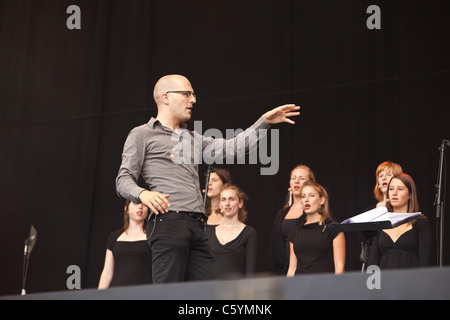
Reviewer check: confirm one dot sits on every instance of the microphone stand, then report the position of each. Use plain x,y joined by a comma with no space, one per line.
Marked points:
366,244
440,202
208,173
26,259
29,245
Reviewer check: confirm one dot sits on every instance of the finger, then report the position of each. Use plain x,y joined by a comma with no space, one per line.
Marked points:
290,107
289,121
294,108
152,208
164,198
292,114
159,205
163,202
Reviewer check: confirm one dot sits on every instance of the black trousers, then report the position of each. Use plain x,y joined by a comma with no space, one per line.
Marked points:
180,248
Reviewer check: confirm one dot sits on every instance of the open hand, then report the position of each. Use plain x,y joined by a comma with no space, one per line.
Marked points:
282,114
157,202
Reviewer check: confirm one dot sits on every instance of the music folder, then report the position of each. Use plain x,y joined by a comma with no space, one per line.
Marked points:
372,220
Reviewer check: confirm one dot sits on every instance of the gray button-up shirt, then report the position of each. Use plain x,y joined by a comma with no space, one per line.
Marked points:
168,161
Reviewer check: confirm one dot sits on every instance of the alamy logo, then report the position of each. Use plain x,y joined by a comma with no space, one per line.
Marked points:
74,280
237,147
374,20
74,20
374,281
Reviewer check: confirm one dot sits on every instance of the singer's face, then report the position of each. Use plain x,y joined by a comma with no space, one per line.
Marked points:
398,195
311,200
383,179
298,177
215,184
138,212
229,203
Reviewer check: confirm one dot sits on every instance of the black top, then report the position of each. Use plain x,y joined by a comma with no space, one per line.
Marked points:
132,261
279,243
287,225
237,258
411,250
313,248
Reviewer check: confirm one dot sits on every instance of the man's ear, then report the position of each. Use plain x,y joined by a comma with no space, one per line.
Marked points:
165,98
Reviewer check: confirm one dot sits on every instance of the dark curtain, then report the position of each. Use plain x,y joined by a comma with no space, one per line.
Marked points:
68,99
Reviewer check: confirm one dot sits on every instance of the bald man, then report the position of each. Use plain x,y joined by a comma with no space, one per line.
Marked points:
180,248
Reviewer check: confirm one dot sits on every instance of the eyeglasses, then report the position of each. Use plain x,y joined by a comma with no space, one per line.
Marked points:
186,93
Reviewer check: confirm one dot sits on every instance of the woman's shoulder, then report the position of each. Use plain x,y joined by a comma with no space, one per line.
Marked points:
249,230
113,236
421,222
282,212
210,229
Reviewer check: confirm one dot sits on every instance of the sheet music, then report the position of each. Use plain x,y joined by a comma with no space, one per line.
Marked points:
398,218
382,214
367,216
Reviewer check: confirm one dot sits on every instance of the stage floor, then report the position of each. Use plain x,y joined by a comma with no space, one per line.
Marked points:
429,283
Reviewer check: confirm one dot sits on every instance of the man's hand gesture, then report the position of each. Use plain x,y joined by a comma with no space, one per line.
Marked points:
282,114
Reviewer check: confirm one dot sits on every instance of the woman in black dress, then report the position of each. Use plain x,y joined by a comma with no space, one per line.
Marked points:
128,258
233,243
287,219
408,245
314,251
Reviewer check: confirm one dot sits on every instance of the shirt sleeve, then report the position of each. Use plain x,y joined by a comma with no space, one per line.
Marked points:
132,160
214,150
112,239
374,253
424,235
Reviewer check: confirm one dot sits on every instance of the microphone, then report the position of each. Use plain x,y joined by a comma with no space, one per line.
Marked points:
28,244
208,173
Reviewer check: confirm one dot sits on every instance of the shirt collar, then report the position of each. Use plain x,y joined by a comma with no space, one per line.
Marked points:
153,122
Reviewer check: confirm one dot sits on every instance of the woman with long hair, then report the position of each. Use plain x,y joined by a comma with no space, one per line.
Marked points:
408,245
217,179
128,259
311,250
287,219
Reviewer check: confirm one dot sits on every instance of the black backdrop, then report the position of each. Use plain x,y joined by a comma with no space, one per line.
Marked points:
68,99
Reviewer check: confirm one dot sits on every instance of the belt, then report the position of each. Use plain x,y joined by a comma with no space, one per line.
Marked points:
196,215
199,217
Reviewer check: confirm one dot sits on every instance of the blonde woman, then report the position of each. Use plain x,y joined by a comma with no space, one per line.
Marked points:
314,251
287,219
